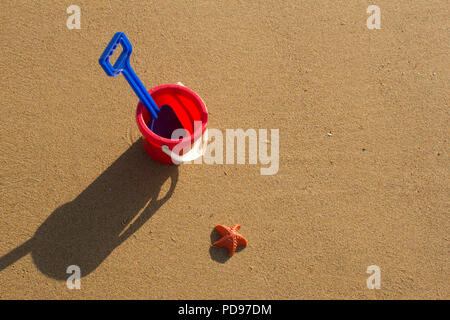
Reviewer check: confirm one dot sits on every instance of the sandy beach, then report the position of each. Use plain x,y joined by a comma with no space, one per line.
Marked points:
364,168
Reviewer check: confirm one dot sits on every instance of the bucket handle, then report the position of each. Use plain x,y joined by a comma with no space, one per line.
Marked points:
198,149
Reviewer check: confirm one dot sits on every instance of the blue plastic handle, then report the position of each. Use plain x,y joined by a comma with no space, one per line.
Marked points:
122,65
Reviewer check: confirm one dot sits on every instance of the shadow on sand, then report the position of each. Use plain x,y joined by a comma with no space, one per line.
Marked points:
86,230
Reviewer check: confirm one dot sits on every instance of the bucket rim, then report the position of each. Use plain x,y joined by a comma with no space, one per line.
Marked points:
145,130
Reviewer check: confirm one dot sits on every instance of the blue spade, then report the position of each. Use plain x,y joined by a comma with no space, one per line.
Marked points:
164,121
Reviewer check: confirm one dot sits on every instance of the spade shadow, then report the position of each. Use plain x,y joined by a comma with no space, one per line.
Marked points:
219,254
85,231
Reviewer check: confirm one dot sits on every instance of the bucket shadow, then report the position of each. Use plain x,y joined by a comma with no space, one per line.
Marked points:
85,231
219,254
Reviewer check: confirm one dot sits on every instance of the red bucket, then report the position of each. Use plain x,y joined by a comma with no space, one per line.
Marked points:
187,105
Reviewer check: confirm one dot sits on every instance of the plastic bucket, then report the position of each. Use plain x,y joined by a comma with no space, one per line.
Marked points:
187,105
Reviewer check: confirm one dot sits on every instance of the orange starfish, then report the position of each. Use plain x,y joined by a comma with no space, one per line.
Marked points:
230,238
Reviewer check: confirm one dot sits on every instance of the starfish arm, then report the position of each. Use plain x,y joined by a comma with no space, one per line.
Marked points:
223,230
232,249
222,242
235,227
242,241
